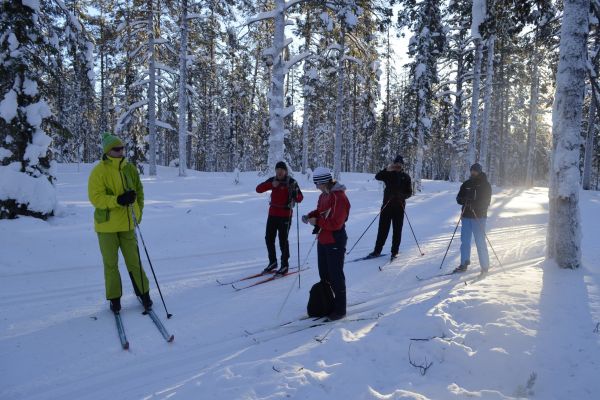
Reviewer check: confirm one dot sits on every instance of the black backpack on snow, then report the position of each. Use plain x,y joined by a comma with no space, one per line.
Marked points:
320,301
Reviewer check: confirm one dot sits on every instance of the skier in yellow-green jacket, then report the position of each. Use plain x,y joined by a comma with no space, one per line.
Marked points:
115,190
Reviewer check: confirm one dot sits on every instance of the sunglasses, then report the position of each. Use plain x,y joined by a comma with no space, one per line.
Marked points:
117,149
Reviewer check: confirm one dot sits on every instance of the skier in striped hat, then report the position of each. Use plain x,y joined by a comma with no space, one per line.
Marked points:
329,219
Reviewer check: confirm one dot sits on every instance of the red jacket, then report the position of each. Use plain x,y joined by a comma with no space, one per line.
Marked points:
282,196
332,213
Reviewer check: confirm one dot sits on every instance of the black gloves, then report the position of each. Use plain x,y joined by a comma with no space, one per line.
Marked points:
294,193
126,198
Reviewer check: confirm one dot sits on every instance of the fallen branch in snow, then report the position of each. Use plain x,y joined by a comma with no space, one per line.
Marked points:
527,390
422,368
428,338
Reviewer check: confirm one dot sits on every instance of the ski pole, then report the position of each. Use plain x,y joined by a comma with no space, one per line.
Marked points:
298,277
413,231
298,240
149,262
452,238
363,234
488,239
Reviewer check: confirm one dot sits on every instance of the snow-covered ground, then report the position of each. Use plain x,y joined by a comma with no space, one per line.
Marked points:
529,330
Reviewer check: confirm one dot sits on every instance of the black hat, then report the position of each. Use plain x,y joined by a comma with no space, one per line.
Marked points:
477,168
281,165
399,160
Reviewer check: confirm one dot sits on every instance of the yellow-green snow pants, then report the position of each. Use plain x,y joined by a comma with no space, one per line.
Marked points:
110,243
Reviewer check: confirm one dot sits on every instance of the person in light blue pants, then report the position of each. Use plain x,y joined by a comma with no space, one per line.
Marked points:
475,196
474,227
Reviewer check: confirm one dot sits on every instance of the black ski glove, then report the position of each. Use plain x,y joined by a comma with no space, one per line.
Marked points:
126,198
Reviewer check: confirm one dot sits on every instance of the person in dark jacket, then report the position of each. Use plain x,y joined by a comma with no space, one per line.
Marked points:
474,196
329,219
398,188
284,194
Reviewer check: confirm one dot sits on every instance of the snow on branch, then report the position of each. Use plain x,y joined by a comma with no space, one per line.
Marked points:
140,82
137,50
296,59
271,14
74,21
285,112
196,15
130,109
165,125
261,17
292,3
165,67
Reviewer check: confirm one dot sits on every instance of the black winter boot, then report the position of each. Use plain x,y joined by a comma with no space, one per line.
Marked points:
146,302
462,267
372,255
115,305
270,268
282,271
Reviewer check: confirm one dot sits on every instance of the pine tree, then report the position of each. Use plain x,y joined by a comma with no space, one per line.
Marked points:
426,47
25,159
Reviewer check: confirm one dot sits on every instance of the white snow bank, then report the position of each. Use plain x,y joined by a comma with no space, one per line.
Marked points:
38,193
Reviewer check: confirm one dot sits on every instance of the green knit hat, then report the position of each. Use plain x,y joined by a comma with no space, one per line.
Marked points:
109,141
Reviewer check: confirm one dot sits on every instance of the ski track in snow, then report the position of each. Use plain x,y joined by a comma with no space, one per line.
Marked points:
526,321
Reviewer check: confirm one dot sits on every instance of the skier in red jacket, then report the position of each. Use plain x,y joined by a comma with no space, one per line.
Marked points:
284,194
329,219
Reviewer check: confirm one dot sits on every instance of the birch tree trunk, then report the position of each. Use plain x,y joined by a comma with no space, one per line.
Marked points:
151,92
276,125
487,101
564,226
337,154
183,28
306,106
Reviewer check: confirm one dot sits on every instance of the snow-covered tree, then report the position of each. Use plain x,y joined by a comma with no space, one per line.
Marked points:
274,57
593,107
426,47
183,103
26,181
563,241
478,17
